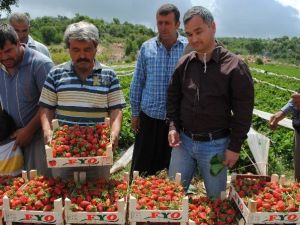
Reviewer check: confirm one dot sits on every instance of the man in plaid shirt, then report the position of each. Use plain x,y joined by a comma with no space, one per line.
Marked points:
155,65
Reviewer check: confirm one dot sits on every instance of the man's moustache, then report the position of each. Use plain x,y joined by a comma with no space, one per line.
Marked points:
83,60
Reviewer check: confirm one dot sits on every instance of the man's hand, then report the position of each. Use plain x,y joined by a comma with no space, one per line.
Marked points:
296,99
114,141
174,138
274,120
135,123
230,158
47,136
23,137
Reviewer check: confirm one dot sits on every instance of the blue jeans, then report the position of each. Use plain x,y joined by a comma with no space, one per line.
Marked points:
197,154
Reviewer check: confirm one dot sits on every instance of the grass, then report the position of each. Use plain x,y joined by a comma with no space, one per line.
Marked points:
289,70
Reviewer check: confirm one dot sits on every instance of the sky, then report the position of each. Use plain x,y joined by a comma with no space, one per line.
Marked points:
234,18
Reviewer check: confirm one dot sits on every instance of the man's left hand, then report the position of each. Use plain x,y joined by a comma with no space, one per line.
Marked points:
23,138
230,158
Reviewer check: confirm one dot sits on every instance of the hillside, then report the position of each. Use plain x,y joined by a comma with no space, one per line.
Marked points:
121,41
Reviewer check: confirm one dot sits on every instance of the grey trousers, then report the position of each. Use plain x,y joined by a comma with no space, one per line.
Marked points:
35,155
297,156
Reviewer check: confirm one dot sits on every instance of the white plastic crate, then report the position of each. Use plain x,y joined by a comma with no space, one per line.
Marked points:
31,216
144,215
118,217
249,213
58,162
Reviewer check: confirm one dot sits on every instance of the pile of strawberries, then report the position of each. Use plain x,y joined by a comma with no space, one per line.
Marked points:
157,193
9,185
270,196
205,211
98,196
39,194
80,141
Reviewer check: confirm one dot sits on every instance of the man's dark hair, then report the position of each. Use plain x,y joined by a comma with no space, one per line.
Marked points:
7,125
169,8
203,12
7,33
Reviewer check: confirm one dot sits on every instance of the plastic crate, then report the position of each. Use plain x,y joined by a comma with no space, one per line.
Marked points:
31,216
248,211
118,217
58,162
170,216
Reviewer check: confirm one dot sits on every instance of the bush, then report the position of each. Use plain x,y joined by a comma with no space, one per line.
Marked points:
259,61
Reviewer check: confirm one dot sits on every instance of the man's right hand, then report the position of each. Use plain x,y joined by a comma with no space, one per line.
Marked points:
174,138
47,136
135,123
274,120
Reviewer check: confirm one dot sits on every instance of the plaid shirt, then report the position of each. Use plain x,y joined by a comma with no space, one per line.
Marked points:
154,68
290,108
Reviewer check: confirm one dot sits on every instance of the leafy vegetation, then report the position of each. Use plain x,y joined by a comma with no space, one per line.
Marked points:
129,37
291,70
283,49
49,30
6,4
271,99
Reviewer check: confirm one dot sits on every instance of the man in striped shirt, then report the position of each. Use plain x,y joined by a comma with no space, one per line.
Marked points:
82,91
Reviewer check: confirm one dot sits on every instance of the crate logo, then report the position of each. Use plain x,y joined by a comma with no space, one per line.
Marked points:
283,218
52,163
39,218
237,200
106,217
89,161
165,215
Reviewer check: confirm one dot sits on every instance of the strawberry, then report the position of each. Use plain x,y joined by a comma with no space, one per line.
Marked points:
84,204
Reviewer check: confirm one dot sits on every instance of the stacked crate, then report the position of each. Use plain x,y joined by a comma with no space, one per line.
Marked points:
249,210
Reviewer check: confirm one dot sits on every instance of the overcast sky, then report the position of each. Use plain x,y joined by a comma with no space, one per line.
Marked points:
234,18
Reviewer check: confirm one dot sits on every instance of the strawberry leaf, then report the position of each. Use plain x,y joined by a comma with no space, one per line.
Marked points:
216,165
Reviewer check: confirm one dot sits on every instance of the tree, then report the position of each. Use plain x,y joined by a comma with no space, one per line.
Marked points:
50,35
255,46
6,4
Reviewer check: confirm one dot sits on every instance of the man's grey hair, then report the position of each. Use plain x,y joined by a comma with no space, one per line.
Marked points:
203,12
81,31
19,18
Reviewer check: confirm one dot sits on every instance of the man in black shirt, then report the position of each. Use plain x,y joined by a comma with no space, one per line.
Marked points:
209,104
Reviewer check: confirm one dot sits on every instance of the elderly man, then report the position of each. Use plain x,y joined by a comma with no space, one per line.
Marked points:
209,104
20,22
155,65
82,91
22,75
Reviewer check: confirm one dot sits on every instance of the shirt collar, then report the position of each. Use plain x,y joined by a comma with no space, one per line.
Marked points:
69,66
216,54
180,40
30,41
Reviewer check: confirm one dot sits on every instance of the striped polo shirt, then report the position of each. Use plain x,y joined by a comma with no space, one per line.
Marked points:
81,102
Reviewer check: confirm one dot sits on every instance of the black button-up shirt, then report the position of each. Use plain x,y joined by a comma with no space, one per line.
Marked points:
219,95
